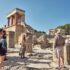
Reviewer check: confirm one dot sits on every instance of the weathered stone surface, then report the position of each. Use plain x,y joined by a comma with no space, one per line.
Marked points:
43,41
14,62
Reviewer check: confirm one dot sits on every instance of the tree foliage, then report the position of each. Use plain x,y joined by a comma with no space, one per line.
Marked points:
66,27
61,27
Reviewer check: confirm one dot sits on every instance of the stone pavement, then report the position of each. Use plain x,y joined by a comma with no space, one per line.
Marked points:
40,60
14,62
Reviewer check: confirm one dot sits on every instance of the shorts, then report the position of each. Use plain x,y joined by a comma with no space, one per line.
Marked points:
2,52
59,52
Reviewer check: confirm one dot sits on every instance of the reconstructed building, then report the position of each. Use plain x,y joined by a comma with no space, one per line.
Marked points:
15,27
52,32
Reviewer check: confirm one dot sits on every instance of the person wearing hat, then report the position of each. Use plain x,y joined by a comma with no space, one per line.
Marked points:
59,42
2,48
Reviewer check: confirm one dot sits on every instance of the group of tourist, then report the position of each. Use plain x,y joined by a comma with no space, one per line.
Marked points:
59,42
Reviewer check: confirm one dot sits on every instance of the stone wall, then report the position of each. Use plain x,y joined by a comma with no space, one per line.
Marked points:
67,55
10,39
19,30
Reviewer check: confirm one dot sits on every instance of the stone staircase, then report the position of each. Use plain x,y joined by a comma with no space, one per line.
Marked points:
40,60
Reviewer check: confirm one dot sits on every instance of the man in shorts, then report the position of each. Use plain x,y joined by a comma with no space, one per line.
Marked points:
59,46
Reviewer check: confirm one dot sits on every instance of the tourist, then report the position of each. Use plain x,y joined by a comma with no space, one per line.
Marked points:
29,43
59,46
4,37
2,49
23,47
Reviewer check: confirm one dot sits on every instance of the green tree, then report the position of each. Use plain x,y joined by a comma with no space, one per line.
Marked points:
61,27
66,27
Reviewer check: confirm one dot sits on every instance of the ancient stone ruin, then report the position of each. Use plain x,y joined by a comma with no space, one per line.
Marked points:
17,27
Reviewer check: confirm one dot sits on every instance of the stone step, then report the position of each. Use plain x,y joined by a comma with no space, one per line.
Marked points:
38,66
41,57
39,61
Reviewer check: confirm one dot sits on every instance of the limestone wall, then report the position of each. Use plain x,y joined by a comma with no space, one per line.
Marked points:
11,28
19,31
10,39
67,55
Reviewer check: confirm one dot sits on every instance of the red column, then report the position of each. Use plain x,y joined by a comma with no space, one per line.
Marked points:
8,22
11,20
16,18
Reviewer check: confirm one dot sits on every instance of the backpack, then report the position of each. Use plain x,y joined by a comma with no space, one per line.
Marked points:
60,41
3,44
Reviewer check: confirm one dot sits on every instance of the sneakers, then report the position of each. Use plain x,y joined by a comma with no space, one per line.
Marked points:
58,67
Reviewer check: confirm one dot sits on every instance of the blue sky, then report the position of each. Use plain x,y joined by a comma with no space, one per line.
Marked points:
40,14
